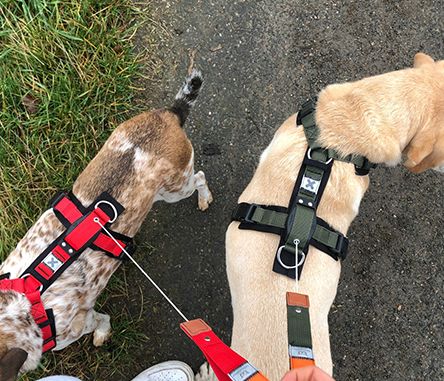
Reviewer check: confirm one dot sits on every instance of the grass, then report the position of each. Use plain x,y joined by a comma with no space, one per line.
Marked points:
67,71
66,75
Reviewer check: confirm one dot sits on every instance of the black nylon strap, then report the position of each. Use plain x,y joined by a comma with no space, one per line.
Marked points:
244,211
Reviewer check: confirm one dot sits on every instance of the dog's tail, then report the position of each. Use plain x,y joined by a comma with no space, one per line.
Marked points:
187,95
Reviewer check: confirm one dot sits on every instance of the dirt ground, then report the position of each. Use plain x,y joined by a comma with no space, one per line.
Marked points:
261,60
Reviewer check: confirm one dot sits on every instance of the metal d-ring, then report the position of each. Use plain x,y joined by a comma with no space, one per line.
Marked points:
112,207
309,156
278,256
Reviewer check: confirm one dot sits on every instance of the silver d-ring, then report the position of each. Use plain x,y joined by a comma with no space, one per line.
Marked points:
112,207
278,256
309,156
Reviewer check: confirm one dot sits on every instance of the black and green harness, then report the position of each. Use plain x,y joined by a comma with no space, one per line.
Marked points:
298,225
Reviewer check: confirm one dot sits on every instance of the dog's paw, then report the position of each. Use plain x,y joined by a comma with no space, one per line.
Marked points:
103,330
100,337
204,202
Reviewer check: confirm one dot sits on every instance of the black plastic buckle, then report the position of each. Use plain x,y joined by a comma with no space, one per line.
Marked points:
341,247
250,212
307,108
57,198
365,169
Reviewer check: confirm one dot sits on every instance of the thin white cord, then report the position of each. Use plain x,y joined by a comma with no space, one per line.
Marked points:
96,220
296,244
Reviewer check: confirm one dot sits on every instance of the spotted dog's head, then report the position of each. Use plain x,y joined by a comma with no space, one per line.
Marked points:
20,337
426,149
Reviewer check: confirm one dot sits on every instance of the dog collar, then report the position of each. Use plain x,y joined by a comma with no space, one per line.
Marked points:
82,232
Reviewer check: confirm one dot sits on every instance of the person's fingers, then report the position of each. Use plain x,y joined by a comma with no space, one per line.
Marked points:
308,373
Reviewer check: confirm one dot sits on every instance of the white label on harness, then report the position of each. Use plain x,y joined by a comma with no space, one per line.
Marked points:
310,184
244,372
52,262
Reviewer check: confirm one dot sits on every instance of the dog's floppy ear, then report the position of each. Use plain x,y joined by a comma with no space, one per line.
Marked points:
422,59
11,363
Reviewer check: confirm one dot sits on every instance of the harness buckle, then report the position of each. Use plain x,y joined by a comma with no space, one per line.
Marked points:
364,170
57,198
250,212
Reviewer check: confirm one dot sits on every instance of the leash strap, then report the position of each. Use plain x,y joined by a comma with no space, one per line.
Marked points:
226,364
300,347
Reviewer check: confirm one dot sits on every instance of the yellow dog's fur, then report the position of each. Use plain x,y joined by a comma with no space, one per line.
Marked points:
382,118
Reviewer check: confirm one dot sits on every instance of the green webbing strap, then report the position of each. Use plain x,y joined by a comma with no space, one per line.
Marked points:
299,330
268,217
298,326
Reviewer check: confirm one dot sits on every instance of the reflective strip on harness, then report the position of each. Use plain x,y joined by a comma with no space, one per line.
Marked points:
300,347
226,364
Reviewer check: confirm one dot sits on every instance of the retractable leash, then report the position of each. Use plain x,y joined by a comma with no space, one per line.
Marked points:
227,364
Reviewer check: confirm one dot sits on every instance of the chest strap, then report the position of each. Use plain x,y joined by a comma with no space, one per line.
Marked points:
82,232
226,364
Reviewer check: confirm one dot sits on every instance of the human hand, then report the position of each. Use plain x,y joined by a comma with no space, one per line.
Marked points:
308,373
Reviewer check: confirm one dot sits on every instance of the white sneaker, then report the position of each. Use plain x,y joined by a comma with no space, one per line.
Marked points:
167,371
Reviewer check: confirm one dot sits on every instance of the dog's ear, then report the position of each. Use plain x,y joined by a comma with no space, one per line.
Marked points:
11,363
422,59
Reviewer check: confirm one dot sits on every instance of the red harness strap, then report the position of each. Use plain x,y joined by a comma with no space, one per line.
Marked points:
29,286
68,210
227,364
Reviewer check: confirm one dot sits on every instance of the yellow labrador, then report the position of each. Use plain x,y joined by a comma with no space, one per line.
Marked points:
382,118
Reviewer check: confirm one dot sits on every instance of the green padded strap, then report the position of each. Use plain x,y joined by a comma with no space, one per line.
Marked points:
301,228
311,131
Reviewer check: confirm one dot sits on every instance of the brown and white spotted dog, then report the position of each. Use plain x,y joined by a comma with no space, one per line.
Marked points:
146,159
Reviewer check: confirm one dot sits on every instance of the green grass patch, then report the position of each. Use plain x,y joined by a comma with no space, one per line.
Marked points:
66,75
67,72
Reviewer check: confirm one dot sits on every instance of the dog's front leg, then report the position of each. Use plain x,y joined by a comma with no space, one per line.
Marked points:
91,321
205,198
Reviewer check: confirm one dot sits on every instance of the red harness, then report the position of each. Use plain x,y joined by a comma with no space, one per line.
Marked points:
82,232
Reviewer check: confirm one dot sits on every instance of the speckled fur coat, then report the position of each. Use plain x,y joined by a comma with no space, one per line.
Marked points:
146,159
